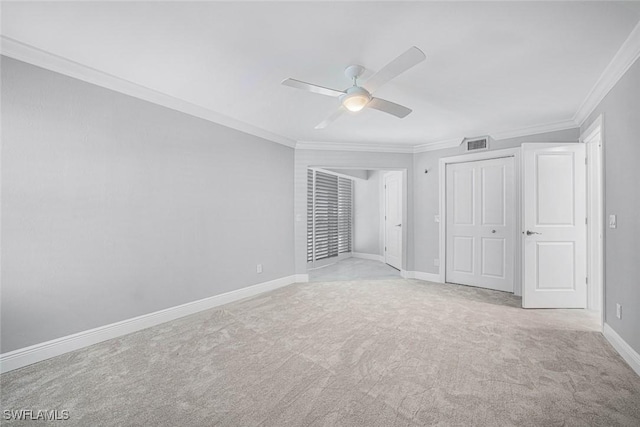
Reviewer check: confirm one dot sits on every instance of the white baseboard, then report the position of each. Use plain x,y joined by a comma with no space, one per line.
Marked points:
428,277
624,349
39,352
372,257
405,274
301,278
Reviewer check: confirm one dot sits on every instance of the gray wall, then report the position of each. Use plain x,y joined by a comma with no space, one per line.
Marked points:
356,173
426,192
113,207
367,209
353,160
621,112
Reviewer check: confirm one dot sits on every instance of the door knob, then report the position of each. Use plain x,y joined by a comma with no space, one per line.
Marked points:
529,233
493,231
398,225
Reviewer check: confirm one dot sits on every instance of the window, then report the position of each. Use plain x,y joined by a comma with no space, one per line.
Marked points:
329,206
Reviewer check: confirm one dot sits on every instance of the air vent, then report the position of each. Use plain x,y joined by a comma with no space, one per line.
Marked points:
474,144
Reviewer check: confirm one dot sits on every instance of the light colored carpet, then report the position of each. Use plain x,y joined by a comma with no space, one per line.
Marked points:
365,353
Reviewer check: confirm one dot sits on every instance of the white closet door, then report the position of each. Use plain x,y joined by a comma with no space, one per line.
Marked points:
480,223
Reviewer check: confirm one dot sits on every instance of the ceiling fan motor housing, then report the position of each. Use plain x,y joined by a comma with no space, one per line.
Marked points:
355,99
353,71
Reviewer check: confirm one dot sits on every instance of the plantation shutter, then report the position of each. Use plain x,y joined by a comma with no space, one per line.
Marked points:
309,215
329,208
326,215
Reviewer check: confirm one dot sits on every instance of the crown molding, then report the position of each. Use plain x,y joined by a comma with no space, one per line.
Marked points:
378,148
514,133
432,146
40,58
438,145
628,53
350,146
534,130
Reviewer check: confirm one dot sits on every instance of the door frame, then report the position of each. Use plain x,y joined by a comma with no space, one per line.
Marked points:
405,209
593,137
384,215
471,157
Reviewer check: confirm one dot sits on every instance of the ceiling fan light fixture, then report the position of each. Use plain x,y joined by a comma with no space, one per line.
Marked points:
355,99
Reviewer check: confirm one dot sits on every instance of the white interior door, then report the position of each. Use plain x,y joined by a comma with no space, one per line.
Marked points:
393,219
554,226
480,223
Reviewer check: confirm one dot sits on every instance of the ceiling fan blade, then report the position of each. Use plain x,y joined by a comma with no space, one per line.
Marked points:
335,115
394,68
312,88
389,107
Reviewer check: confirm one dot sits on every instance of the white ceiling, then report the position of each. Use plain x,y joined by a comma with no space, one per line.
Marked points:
491,66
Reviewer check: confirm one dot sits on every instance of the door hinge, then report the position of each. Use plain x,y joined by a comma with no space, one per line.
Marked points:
586,280
385,248
585,220
585,160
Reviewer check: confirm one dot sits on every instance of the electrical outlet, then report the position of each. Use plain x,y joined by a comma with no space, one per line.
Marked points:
613,221
619,311
436,262
259,268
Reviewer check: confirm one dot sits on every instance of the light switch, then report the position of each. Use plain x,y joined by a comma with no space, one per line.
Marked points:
612,221
437,218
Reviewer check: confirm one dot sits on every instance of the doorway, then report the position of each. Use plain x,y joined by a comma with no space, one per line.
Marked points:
367,258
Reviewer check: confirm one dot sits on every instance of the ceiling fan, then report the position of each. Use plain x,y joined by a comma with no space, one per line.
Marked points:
358,97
